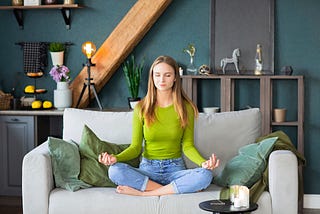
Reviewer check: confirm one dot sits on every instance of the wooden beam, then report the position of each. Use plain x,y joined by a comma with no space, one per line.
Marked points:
119,45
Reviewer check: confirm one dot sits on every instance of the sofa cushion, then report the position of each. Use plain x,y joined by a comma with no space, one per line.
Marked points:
98,200
224,133
247,167
65,160
93,172
109,126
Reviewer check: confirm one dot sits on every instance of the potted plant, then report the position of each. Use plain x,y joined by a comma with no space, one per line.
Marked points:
132,72
56,50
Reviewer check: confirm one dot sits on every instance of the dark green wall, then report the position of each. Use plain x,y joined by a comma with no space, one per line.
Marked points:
297,36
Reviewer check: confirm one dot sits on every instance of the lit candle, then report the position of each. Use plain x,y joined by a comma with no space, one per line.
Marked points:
244,196
237,202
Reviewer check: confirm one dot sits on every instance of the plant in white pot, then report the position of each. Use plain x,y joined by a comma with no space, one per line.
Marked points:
132,72
56,50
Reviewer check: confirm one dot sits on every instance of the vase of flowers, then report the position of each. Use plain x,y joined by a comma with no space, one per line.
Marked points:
62,96
191,68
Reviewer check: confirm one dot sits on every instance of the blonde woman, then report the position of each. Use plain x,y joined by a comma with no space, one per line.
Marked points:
164,120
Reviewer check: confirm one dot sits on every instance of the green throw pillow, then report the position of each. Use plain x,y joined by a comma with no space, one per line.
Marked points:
93,172
65,160
247,167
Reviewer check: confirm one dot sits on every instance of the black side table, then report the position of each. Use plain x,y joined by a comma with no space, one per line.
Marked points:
225,206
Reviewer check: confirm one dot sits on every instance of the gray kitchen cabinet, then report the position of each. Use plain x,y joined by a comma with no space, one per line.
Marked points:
17,137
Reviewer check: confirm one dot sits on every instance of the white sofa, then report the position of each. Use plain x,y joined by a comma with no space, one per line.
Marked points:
221,133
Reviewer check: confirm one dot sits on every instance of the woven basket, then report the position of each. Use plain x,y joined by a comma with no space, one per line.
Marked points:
5,100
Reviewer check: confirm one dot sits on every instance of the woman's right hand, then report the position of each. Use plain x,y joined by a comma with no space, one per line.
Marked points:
107,159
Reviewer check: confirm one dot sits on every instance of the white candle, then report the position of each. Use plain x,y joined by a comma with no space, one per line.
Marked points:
180,71
244,196
237,202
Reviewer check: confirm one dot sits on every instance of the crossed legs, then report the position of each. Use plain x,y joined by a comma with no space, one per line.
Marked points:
133,181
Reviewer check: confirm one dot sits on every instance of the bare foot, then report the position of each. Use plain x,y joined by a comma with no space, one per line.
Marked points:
128,191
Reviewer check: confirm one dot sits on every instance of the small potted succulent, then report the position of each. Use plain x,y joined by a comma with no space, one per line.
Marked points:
56,50
132,72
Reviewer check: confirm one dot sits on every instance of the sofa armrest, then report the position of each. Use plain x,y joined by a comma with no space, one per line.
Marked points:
37,180
283,182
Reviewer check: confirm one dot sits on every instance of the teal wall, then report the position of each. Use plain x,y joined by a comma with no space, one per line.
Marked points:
297,44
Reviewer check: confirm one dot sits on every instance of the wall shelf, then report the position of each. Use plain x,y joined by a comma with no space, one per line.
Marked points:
227,98
64,8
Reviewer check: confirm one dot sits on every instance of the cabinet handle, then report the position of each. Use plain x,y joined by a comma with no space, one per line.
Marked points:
14,119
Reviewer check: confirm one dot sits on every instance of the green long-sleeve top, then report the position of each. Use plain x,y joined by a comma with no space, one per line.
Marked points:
164,139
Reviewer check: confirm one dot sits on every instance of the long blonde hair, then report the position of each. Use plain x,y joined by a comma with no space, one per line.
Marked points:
148,103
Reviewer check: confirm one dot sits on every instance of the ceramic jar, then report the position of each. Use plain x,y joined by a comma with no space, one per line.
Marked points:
68,2
50,2
17,2
62,96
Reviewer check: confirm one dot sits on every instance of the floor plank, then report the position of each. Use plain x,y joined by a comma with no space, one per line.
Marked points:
13,205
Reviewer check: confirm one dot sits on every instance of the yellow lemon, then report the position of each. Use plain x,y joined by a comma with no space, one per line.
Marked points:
29,89
47,104
36,104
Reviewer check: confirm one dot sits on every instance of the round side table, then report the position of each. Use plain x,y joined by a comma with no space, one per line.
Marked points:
225,206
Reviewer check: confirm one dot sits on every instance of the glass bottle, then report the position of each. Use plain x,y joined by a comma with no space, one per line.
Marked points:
191,68
258,59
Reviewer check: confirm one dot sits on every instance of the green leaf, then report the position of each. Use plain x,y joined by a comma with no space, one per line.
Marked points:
132,72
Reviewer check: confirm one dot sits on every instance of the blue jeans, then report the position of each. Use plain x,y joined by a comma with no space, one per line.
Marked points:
170,171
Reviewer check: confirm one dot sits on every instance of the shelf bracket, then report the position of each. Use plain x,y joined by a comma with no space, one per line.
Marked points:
66,13
19,17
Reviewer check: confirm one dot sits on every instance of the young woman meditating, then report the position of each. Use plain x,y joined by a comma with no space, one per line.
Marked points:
164,122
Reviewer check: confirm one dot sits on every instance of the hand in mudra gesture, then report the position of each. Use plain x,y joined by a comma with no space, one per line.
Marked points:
107,159
211,163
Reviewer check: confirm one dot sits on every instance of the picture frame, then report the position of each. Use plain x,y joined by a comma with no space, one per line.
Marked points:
242,24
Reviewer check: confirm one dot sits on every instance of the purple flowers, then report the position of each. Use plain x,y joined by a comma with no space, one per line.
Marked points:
60,73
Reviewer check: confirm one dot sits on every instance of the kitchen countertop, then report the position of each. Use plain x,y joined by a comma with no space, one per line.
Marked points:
51,112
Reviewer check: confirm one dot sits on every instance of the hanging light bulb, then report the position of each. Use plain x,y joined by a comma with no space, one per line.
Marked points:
88,49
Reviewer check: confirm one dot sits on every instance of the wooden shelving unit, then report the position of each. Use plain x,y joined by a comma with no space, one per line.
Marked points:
64,8
227,86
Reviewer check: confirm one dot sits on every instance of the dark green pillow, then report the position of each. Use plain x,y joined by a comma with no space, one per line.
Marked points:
93,172
247,167
65,160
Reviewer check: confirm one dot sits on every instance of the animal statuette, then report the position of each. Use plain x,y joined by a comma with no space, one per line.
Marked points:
234,60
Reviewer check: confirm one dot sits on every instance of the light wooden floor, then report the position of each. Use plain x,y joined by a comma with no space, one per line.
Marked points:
13,205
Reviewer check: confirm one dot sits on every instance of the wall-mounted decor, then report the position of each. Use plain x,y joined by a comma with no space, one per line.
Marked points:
242,24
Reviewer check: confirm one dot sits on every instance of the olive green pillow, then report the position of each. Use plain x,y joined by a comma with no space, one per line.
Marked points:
247,167
65,160
93,172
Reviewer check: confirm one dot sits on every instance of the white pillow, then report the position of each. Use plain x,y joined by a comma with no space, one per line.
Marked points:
224,133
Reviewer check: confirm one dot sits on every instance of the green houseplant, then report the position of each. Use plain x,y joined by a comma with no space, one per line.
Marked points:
132,72
56,47
56,50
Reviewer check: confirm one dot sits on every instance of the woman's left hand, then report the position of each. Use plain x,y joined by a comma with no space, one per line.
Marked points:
212,163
